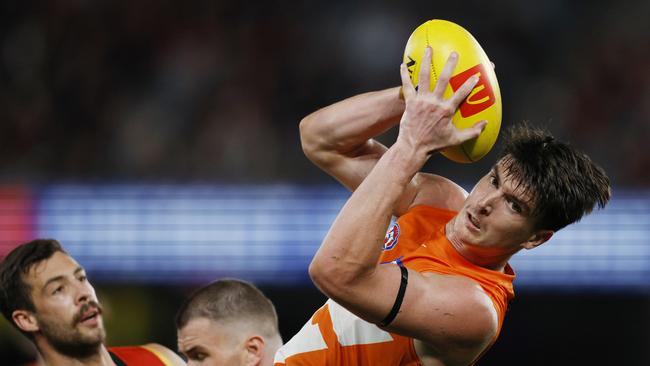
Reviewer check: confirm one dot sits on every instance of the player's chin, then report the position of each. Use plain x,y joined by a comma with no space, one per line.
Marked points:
95,336
96,333
473,237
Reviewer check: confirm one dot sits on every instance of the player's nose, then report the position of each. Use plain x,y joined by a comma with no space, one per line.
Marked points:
485,204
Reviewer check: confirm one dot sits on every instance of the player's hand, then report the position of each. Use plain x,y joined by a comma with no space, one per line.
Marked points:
426,124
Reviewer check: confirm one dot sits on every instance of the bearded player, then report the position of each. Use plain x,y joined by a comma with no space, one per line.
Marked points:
46,295
442,276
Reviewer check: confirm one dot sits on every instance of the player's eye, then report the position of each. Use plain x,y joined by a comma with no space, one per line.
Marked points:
494,181
197,356
57,290
515,206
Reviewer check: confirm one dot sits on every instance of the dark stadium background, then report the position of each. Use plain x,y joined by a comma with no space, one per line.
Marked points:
210,93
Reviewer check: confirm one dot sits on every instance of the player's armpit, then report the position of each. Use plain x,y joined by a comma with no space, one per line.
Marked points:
431,190
352,168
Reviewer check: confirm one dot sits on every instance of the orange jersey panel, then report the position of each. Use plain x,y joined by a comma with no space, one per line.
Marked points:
334,336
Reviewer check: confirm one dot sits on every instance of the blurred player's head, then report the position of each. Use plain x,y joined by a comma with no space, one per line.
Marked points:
46,295
538,186
228,322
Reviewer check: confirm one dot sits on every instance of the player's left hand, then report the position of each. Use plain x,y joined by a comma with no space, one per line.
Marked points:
426,124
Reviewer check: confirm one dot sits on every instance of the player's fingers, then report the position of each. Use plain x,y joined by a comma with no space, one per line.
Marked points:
445,75
407,85
463,91
424,78
471,132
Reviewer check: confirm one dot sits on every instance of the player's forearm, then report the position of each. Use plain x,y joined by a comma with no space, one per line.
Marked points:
352,247
348,124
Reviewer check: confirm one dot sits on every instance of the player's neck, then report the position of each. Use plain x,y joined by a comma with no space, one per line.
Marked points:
273,344
494,259
52,357
478,256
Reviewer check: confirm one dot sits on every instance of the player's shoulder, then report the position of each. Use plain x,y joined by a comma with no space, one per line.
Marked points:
438,191
164,353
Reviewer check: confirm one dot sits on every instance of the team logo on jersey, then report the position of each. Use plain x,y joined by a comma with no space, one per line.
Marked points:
391,237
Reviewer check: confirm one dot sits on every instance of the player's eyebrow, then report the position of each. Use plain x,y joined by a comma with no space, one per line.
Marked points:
510,195
190,352
59,278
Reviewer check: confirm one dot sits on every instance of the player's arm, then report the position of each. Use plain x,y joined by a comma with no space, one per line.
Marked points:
340,140
451,314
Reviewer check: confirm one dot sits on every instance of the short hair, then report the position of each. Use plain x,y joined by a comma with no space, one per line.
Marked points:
230,300
564,183
15,293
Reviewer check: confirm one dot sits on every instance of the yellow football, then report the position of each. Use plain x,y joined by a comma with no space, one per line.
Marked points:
483,102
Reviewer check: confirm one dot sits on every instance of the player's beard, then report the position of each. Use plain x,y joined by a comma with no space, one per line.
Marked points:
68,339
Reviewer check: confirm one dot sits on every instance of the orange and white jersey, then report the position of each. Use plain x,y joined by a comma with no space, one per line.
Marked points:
334,336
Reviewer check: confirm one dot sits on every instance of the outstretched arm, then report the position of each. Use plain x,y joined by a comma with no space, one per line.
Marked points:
340,140
345,267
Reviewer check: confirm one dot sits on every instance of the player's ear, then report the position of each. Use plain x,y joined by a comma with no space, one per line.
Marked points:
254,347
538,238
25,320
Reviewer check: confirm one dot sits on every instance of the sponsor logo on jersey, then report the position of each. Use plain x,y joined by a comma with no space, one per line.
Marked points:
391,237
481,97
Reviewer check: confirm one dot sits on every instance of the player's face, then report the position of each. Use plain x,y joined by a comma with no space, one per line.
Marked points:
68,313
496,213
206,343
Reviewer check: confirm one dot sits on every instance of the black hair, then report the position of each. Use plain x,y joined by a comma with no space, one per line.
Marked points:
15,293
563,182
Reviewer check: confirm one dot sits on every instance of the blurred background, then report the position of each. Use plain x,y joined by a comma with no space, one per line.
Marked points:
158,141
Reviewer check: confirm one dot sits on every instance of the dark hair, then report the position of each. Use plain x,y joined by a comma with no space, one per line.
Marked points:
564,183
15,293
230,300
